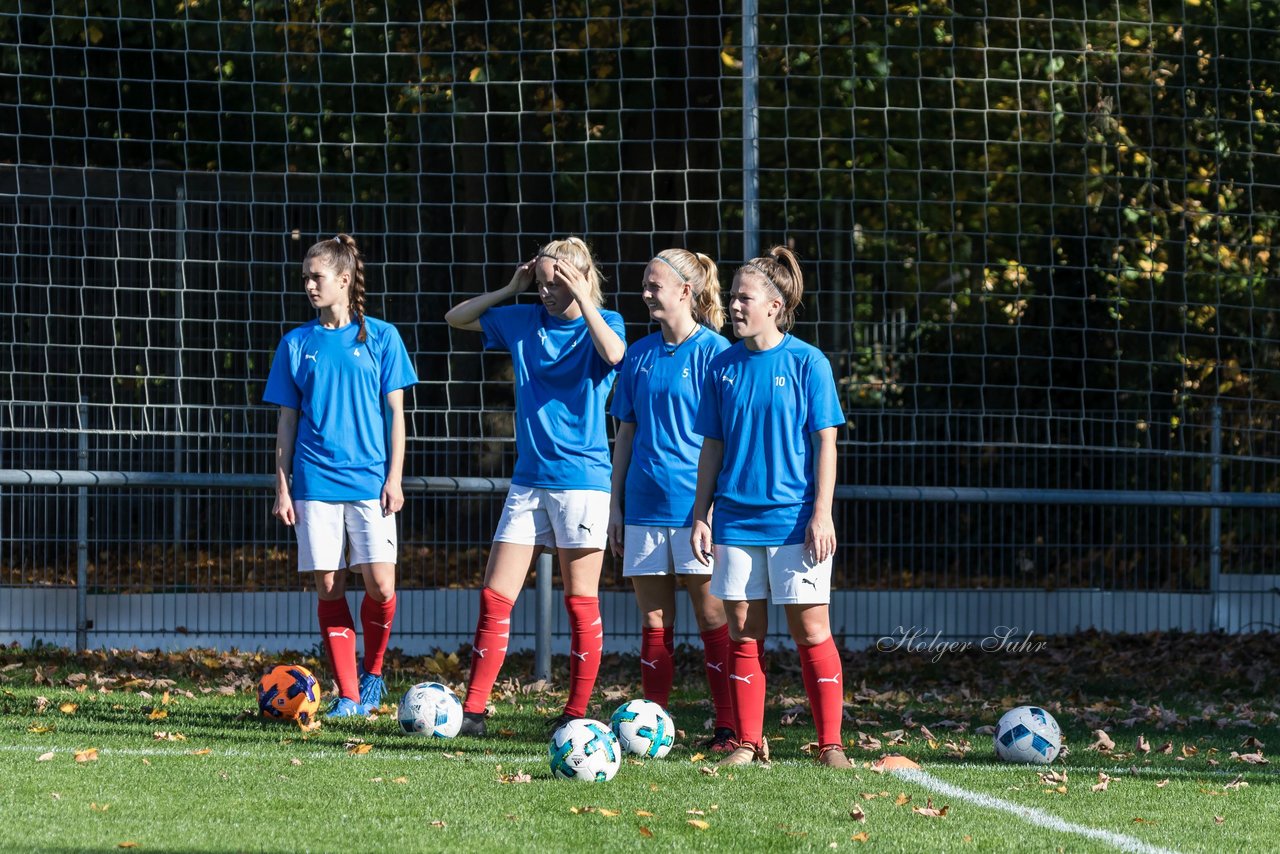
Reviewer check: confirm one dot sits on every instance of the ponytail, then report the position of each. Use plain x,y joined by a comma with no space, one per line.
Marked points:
703,277
343,255
780,269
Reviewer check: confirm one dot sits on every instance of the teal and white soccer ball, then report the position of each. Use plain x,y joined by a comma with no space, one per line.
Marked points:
643,728
1028,734
430,708
584,750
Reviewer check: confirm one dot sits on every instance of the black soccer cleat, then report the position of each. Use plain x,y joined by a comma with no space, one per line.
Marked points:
472,724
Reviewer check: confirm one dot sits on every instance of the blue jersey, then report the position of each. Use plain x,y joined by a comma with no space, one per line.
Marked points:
561,387
339,386
764,406
658,389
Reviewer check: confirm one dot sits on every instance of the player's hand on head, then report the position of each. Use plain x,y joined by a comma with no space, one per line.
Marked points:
571,277
523,276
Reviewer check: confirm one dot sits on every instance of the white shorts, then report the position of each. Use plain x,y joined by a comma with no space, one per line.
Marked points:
557,518
785,575
659,550
323,526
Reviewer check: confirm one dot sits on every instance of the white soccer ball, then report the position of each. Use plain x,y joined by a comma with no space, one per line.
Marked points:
430,708
643,728
584,750
1028,734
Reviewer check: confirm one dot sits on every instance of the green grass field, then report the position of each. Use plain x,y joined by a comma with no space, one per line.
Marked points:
196,773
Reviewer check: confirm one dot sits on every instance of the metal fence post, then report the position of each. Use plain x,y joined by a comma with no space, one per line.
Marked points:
1215,516
750,134
82,533
542,620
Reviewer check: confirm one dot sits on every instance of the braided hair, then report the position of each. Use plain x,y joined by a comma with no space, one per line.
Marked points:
343,255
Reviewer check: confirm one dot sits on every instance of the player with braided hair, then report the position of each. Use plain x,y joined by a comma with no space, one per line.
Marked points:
339,381
768,416
655,469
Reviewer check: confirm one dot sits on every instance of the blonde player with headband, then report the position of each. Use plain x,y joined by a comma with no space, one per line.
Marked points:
769,414
655,471
565,351
339,382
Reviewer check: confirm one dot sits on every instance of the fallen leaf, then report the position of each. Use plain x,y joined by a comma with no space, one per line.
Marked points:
127,845
45,757
708,771
924,731
518,777
1162,783
1101,785
146,761
359,749
903,798
694,812
644,813
438,823
697,757
204,751
1189,750
55,796
41,703
1050,777
295,761
1102,741
1165,748
860,836
698,823
929,812
609,813
157,715
1251,758
1251,742
1143,746
1237,783
68,708
39,729
1140,820
99,808
88,755
646,832
1217,819
857,814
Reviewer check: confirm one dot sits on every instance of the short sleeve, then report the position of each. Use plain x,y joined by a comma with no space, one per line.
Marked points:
824,402
623,407
396,367
499,326
281,389
707,422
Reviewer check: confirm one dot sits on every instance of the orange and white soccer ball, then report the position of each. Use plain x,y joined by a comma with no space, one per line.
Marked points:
289,692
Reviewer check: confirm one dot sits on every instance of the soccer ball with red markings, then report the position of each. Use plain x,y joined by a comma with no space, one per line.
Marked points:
586,751
1028,734
643,729
289,692
430,708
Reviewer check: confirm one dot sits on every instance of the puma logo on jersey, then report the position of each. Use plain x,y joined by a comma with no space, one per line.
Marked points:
809,582
645,370
727,379
542,336
718,667
746,678
833,679
385,625
311,356
340,633
586,528
582,656
481,652
653,664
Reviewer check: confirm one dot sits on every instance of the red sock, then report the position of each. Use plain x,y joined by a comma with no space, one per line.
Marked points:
746,686
656,671
824,683
376,619
339,633
715,645
586,642
489,648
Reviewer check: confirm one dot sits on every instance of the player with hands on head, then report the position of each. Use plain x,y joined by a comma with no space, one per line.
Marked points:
769,412
339,381
655,471
565,350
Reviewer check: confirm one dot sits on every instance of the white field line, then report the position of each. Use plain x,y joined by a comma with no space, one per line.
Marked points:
1031,815
1114,770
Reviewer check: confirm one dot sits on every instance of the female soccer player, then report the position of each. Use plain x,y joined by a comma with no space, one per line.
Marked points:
768,415
565,351
339,382
655,467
